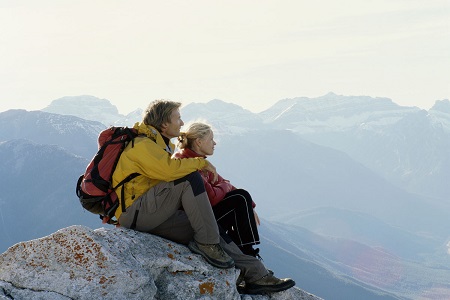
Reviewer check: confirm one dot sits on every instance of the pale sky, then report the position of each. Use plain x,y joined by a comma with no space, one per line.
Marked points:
252,53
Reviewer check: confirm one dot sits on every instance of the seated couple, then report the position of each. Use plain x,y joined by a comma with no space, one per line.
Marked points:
183,199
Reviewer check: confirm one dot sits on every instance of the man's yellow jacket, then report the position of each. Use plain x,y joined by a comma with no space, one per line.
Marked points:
149,156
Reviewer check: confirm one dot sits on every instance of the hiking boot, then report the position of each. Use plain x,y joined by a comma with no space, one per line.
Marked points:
213,254
269,284
240,283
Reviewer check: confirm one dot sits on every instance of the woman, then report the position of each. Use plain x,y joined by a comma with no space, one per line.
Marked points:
232,207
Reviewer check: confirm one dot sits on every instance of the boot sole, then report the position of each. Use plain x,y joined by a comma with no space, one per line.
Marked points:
265,289
193,247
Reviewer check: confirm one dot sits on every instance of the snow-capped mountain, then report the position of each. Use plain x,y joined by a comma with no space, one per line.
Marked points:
51,129
226,118
93,108
405,145
410,152
440,114
333,113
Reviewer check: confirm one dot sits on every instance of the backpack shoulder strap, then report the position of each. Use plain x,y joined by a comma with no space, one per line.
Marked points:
122,194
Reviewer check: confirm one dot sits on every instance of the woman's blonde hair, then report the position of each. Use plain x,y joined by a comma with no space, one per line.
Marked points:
194,131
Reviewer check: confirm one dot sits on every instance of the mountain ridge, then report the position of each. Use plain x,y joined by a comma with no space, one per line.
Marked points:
38,183
368,168
49,128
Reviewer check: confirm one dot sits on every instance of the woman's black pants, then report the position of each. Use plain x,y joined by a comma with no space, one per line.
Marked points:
235,215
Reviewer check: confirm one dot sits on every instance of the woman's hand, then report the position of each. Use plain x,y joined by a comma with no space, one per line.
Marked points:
256,218
210,168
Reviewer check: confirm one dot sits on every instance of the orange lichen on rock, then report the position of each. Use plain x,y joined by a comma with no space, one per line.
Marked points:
206,287
74,249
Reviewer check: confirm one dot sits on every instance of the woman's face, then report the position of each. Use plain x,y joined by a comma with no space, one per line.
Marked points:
205,145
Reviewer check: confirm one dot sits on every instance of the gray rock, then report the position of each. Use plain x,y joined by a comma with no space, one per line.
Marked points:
79,263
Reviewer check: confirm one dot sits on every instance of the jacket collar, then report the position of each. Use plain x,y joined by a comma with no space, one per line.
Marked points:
154,135
190,153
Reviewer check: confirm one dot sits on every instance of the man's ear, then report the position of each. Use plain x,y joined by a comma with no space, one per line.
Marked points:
163,126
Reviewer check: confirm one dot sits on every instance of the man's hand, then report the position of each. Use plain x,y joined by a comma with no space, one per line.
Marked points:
210,168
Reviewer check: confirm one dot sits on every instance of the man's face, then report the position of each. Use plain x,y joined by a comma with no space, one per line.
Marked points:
172,129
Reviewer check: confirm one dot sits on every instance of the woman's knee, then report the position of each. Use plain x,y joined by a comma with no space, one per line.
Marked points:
245,196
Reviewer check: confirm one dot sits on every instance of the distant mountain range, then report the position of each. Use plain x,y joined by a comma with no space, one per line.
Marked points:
352,190
405,145
76,135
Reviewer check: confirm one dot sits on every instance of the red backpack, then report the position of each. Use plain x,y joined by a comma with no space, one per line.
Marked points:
94,187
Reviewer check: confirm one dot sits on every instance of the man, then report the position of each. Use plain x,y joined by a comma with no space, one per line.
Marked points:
168,199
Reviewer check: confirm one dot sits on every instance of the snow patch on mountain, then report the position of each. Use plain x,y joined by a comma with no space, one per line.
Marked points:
51,128
226,118
92,108
440,114
333,112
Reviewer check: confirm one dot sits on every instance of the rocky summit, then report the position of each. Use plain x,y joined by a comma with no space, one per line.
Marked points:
115,263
